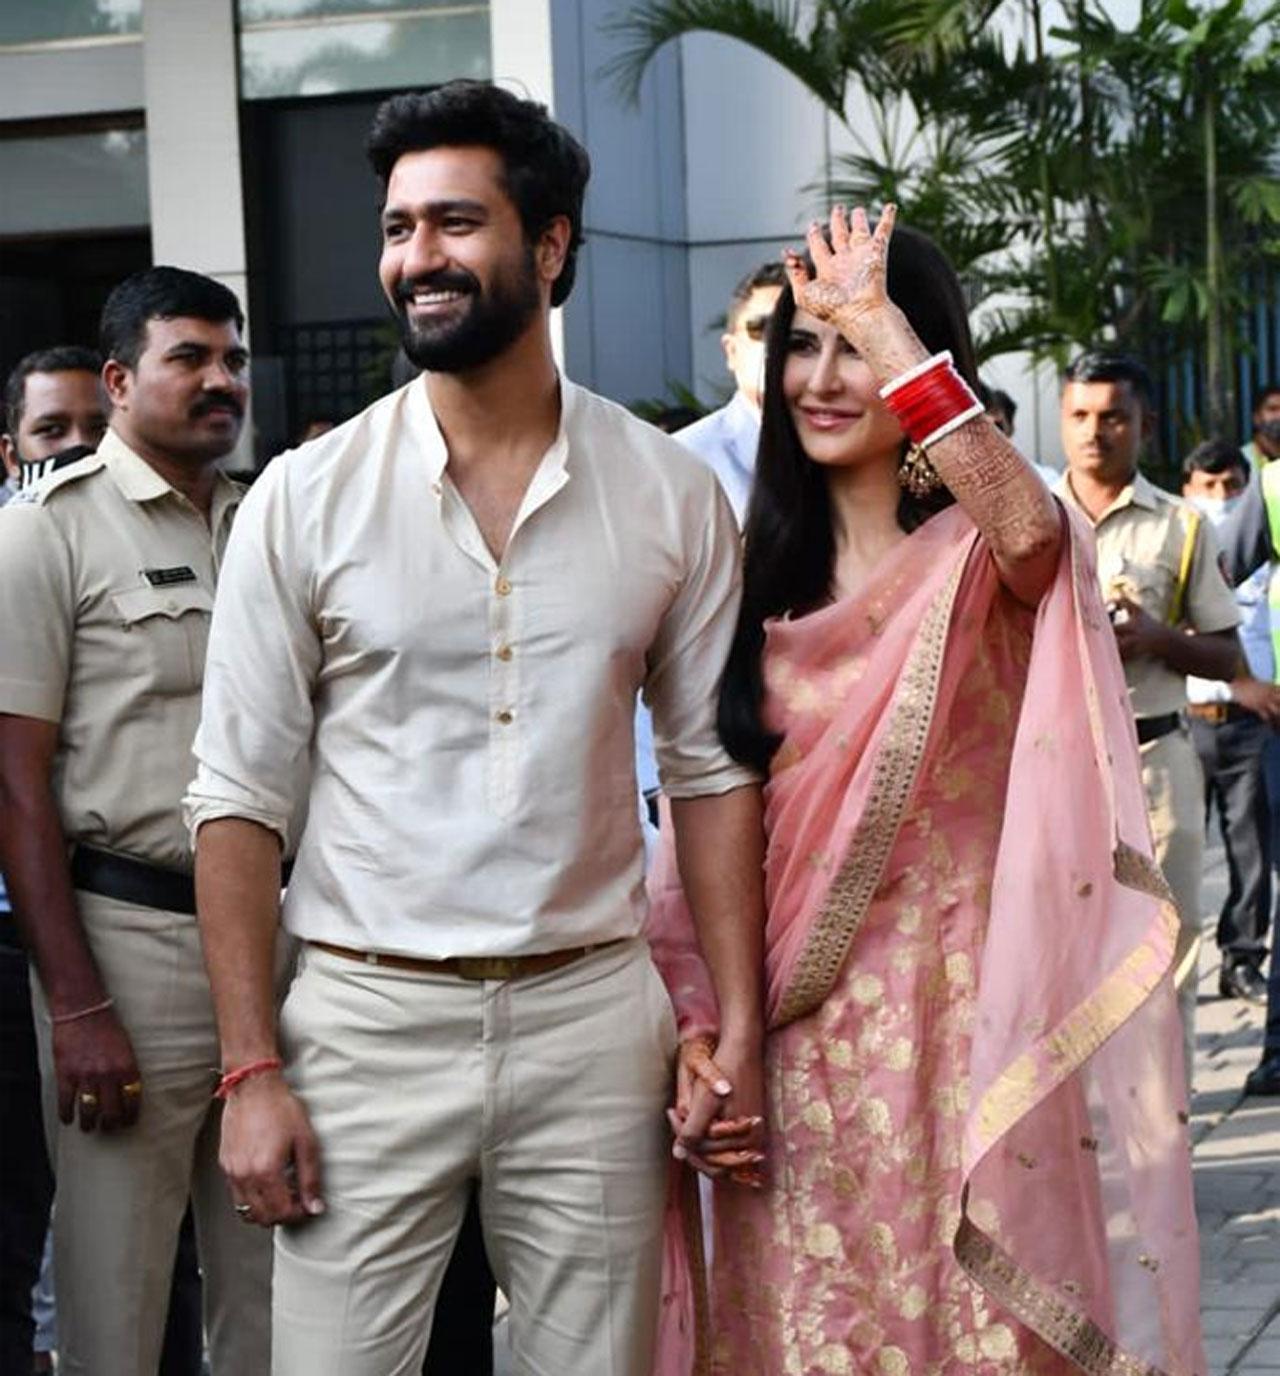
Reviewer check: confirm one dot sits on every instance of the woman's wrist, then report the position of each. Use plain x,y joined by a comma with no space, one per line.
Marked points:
883,337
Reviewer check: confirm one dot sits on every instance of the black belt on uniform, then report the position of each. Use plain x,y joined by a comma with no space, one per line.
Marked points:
1152,728
132,881
135,881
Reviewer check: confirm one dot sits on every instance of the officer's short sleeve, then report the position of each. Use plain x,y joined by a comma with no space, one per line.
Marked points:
1210,604
37,613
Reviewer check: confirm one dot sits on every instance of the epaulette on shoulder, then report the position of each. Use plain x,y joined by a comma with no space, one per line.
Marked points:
39,493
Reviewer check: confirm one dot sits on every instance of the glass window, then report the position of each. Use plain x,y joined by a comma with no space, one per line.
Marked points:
322,47
44,21
74,182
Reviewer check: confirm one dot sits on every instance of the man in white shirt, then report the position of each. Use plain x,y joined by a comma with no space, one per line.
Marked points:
432,626
726,440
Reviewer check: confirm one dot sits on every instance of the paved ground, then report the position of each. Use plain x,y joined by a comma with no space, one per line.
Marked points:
1237,1176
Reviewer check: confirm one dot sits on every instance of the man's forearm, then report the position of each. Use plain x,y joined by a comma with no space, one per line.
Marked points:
33,859
1215,655
720,851
238,897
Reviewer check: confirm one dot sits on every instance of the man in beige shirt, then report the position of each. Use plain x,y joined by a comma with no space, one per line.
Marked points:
430,630
1172,610
107,574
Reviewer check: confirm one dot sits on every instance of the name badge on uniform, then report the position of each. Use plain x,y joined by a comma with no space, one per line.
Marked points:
164,578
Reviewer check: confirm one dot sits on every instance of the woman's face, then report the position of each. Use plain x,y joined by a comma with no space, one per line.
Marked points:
834,398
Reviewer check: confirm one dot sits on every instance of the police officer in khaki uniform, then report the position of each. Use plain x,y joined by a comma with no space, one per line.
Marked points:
1172,610
107,574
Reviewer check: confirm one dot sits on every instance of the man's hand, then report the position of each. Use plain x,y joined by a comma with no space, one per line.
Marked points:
718,1117
1138,634
96,1071
269,1153
1258,697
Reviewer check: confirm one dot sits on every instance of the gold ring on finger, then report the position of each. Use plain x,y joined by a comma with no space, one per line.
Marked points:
88,1100
134,1087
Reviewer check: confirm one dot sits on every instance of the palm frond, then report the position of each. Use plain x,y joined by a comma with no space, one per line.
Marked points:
775,28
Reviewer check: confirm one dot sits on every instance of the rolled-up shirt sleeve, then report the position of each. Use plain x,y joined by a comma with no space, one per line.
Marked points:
252,748
687,658
37,613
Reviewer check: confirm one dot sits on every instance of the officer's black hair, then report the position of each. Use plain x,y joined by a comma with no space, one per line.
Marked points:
545,168
64,358
1102,365
160,293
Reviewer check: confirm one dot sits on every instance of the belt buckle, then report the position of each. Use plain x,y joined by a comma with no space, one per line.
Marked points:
486,967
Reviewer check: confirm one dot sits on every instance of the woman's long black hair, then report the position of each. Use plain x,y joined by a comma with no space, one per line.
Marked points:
790,538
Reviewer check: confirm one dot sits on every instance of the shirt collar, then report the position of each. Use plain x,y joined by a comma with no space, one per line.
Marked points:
1139,493
744,429
139,482
436,452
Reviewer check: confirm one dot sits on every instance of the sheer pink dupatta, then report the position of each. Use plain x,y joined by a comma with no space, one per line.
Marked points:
1077,1210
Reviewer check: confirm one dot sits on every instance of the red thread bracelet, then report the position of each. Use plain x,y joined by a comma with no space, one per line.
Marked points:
930,398
232,1078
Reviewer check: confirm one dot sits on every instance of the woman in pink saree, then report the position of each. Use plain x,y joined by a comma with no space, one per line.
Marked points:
978,1156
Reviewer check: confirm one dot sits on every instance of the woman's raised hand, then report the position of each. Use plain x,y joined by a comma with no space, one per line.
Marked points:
849,276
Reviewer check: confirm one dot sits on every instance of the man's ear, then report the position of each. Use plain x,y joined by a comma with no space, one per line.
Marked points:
115,382
729,344
553,249
9,455
1148,424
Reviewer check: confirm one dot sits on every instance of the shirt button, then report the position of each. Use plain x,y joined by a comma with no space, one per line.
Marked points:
502,587
504,717
437,488
504,653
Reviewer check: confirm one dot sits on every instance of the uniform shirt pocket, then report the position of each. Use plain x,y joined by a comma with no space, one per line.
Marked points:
173,626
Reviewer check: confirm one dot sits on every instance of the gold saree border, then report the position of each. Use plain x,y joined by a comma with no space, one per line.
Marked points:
1050,1317
893,780
690,1203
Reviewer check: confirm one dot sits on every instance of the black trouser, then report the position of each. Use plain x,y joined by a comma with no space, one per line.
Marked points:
26,1182
1231,757
462,1330
183,1351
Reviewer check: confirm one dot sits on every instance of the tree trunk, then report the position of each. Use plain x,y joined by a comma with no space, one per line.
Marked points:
1216,383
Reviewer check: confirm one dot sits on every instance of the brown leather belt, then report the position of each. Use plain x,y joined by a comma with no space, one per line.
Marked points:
1217,713
472,967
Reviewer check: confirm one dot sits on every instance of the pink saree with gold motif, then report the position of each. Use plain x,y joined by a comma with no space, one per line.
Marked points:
978,1155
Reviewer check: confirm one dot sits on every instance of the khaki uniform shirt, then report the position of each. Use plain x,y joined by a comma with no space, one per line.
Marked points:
1141,537
106,591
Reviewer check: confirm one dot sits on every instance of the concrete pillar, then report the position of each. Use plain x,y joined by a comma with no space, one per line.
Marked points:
520,45
193,146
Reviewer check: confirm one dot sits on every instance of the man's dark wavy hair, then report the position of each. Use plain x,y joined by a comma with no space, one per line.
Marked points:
789,556
62,358
545,168
160,293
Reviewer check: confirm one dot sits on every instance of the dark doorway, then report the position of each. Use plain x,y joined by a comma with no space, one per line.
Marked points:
52,287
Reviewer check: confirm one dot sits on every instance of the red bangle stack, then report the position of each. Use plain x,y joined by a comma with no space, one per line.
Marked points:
232,1078
931,400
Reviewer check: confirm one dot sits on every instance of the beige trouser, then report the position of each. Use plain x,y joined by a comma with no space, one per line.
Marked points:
1174,785
549,1090
121,1196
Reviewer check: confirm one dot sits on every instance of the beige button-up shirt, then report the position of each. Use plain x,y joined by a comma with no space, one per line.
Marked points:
1141,537
460,727
106,592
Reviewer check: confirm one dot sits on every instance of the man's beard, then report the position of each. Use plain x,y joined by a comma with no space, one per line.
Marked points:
477,333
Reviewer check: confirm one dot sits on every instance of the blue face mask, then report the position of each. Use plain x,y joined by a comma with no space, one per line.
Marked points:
1215,510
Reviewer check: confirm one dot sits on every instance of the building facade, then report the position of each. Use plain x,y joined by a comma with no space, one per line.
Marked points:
227,136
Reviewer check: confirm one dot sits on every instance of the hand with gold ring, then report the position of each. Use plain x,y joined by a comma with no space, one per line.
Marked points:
94,1063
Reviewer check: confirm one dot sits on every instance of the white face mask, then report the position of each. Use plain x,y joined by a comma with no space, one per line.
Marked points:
1215,510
